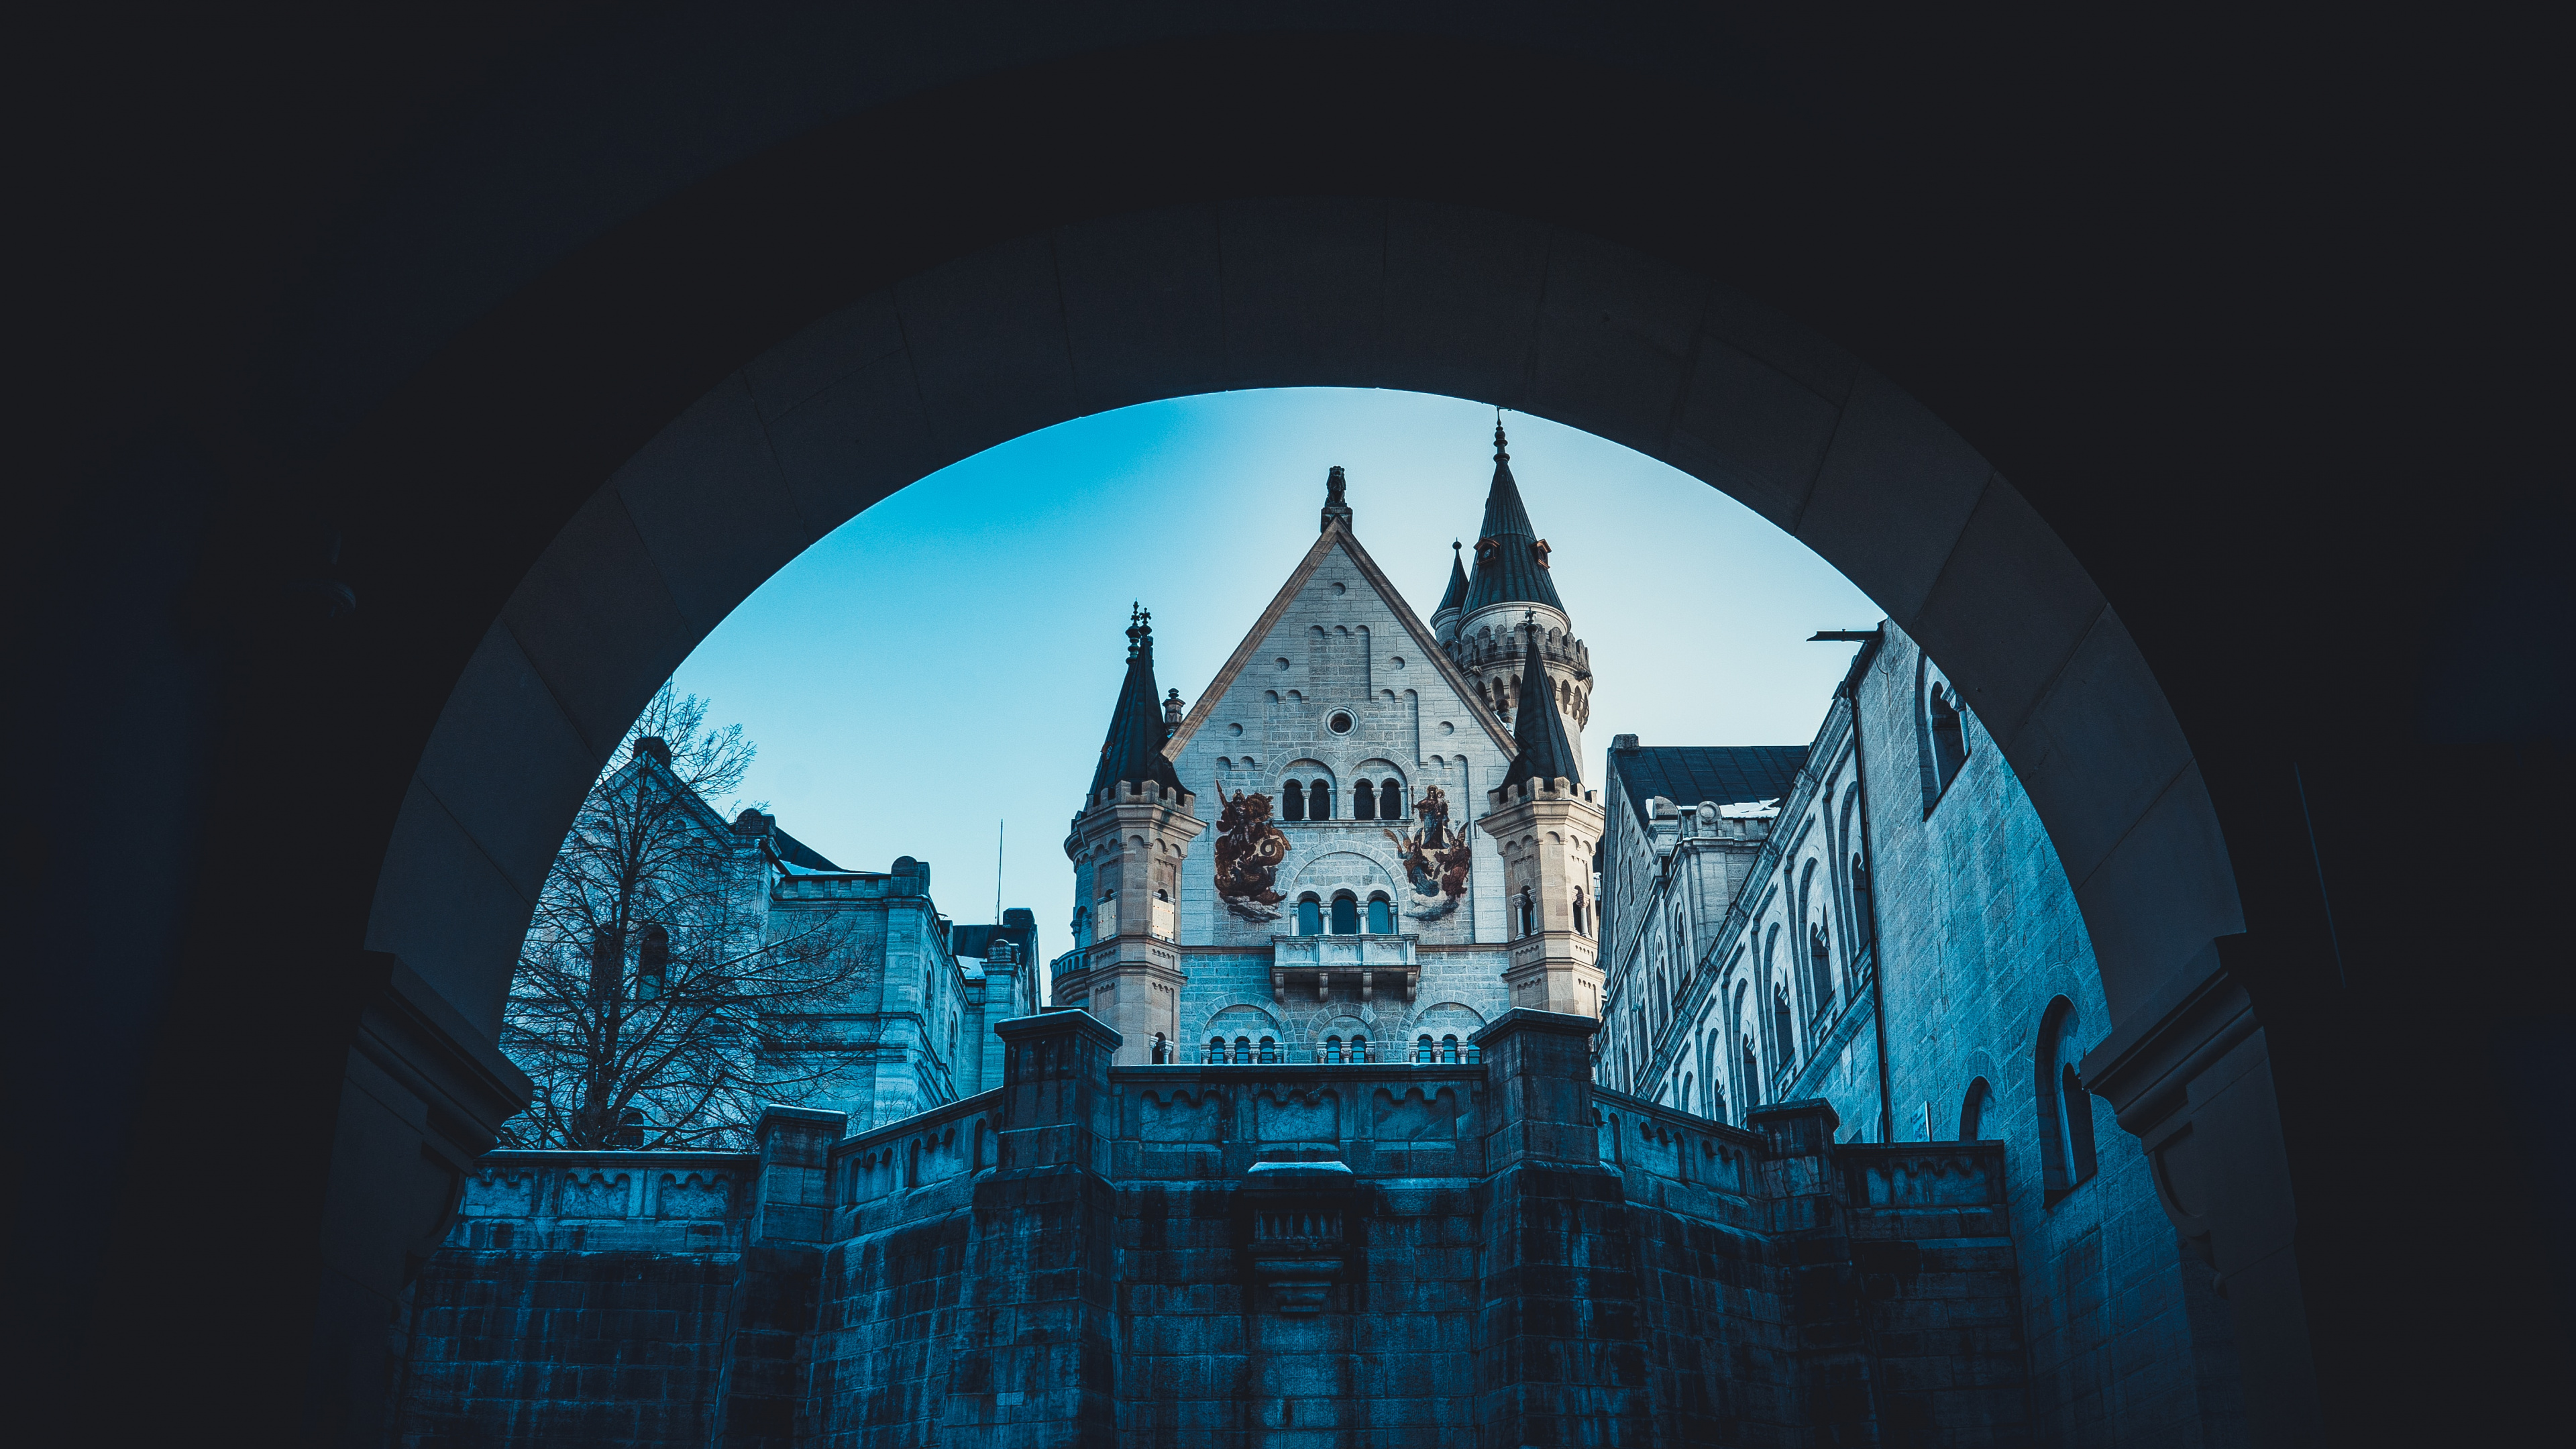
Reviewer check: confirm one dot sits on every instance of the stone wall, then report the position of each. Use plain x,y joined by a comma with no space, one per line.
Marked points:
1380,1256
582,1297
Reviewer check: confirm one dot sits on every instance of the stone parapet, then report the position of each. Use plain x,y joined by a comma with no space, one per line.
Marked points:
1056,1110
654,1202
1540,1108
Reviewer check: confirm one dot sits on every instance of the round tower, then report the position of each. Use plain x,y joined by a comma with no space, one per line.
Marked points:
1126,845
1512,585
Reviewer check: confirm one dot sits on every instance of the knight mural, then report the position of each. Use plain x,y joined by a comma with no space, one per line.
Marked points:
1436,859
1249,850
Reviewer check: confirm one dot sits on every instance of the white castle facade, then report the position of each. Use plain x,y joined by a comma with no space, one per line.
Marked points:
1319,861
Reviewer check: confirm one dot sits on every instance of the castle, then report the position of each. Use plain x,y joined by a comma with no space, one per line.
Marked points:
1402,1087
1363,893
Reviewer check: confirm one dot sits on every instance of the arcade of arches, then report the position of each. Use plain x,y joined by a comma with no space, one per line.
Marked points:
384,510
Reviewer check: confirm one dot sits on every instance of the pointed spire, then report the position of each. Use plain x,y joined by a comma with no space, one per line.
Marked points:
1545,753
1337,509
1511,562
1456,598
1133,751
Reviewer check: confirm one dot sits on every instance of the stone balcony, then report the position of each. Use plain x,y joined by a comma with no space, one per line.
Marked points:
1317,964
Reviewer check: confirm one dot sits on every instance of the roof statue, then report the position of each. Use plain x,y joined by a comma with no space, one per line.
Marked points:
1133,751
1337,509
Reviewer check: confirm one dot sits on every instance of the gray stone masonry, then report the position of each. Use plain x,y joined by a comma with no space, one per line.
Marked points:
1382,1255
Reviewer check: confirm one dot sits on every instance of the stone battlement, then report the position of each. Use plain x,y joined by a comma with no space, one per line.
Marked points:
1389,1251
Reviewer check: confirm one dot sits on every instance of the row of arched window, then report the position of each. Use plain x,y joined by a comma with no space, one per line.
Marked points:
1380,800
1244,1051
1344,914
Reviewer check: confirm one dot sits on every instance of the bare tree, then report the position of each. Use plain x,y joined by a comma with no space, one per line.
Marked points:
656,1002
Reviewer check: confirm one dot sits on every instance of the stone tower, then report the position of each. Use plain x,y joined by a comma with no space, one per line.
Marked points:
1512,585
1127,845
1548,826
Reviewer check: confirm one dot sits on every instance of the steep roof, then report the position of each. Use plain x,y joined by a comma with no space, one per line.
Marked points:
1509,571
1545,753
1334,536
797,852
1456,597
1133,751
1689,774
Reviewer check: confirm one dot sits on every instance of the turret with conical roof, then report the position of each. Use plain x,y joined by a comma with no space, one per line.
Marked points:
1133,752
1453,602
1513,585
1548,827
1127,845
1545,753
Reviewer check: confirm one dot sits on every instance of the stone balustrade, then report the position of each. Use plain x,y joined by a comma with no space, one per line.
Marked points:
604,1201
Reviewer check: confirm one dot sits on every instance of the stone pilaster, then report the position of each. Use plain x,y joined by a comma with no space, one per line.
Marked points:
1547,830
1035,1356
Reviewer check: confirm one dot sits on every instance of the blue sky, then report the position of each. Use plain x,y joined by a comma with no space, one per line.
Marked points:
948,658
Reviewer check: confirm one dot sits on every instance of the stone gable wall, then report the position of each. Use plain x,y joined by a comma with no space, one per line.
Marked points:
1341,641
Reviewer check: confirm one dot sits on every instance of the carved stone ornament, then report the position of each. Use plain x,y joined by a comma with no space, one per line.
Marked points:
1435,858
1249,849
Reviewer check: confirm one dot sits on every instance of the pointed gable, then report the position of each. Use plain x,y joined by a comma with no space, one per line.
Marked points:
1334,536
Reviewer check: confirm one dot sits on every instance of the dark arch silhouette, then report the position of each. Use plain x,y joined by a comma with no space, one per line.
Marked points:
452,379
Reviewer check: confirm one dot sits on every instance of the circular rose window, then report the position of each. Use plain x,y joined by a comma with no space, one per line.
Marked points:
1340,723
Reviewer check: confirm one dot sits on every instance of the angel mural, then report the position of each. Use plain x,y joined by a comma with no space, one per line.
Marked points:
1435,857
1248,852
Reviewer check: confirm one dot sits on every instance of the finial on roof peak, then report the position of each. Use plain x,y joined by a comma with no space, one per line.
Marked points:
1502,453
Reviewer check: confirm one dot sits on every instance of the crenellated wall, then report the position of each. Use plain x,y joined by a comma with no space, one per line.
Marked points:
1379,1254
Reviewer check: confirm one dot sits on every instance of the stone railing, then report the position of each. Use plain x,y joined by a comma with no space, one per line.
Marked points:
1935,1175
954,1139
643,1201
1316,964
1383,1119
1647,1137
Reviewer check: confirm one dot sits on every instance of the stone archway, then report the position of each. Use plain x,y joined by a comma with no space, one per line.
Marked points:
548,286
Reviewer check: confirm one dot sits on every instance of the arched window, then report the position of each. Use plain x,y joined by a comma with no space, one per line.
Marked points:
1863,923
1820,962
1215,1050
1346,914
1381,914
1449,1050
1292,801
1269,1050
1782,1027
1363,801
652,963
1422,1052
630,1129
1319,800
1949,737
1526,908
2065,1108
1690,1093
1716,1100
1972,1111
1310,915
1390,801
1359,1049
1582,917
1752,1076
1332,1051
1243,1050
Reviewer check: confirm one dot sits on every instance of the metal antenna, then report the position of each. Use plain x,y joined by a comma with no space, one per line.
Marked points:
1000,833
